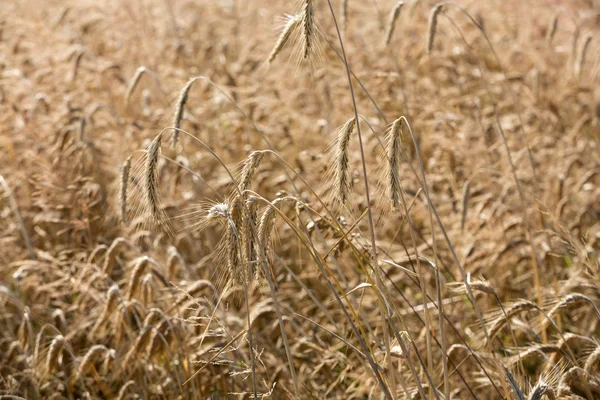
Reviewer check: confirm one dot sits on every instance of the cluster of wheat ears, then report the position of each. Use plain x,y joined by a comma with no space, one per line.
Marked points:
220,238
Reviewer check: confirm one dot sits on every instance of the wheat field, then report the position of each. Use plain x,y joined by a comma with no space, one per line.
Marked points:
310,199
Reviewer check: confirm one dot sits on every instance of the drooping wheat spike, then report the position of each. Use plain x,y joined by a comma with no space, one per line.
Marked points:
480,285
25,330
308,29
568,300
112,300
394,14
250,219
136,276
432,26
151,179
173,259
250,166
59,320
218,211
123,391
233,241
516,308
394,151
55,349
292,22
516,389
592,361
90,357
76,65
147,289
141,341
341,172
465,204
179,110
581,56
265,232
134,82
540,390
573,49
345,15
111,355
123,189
111,254
552,27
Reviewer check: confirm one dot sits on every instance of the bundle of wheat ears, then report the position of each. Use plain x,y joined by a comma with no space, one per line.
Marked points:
332,199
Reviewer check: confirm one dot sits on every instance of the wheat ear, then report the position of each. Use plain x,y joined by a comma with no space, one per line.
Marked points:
308,28
581,56
293,21
432,26
394,14
123,391
179,110
250,166
123,189
540,390
552,28
134,82
55,349
342,183
151,178
393,162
